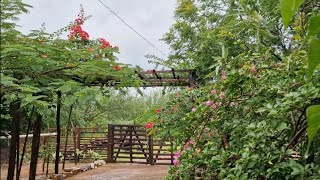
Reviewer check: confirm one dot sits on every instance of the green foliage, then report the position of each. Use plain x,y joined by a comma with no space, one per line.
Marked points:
314,26
37,65
288,9
313,114
247,119
313,56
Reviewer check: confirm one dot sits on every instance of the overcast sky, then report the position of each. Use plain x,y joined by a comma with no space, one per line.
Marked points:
151,18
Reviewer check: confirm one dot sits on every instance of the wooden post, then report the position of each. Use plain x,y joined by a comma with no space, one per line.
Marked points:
110,144
56,163
171,145
131,129
44,148
192,76
78,135
150,143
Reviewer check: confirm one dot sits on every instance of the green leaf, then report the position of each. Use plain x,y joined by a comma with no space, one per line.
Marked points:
313,119
314,26
288,9
313,56
282,126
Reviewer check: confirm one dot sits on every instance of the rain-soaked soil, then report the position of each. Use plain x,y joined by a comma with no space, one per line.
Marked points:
121,171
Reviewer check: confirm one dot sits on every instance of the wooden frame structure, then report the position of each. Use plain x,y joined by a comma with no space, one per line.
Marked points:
156,78
117,144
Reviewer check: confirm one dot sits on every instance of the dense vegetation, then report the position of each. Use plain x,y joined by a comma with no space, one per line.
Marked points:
248,117
254,113
64,79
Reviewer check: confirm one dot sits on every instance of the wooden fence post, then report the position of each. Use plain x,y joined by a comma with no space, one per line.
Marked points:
150,142
110,143
171,145
78,141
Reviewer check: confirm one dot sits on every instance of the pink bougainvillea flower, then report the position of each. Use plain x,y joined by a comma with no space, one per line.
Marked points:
222,95
149,125
177,154
188,144
193,109
208,103
213,106
176,162
214,92
158,111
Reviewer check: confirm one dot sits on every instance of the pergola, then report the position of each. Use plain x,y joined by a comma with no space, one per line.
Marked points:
156,78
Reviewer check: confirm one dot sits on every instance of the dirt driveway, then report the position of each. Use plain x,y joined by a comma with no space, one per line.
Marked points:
121,171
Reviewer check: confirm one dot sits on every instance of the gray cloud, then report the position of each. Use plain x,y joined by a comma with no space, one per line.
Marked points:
151,18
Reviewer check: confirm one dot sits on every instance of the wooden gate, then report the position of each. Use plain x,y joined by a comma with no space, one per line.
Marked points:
117,144
130,144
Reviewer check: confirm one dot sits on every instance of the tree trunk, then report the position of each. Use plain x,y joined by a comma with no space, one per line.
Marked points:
25,143
56,164
35,147
15,113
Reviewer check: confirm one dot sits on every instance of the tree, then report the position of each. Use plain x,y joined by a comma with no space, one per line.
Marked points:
36,66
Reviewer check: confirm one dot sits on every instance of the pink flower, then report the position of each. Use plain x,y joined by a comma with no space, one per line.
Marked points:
214,92
177,155
187,145
176,162
222,95
177,94
193,109
213,106
158,111
208,103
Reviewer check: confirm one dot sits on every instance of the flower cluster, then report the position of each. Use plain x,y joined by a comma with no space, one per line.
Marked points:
117,68
176,157
188,144
104,43
149,125
76,31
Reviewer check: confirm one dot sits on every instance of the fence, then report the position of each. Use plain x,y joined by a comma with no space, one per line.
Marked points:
116,144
